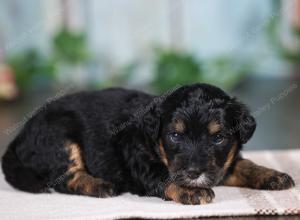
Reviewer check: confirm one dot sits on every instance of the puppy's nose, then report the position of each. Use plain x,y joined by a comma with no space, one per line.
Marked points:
193,172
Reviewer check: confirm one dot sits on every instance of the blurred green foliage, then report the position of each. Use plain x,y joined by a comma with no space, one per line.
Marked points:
226,71
119,78
172,68
70,47
34,69
29,66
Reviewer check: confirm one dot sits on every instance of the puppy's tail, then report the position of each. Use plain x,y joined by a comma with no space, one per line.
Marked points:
20,176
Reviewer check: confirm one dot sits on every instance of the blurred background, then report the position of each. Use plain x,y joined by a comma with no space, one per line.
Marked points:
250,48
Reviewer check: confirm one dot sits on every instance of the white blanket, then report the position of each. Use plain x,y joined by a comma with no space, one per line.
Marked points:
229,201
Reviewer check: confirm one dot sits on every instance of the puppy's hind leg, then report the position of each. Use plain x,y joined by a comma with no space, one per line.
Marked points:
79,181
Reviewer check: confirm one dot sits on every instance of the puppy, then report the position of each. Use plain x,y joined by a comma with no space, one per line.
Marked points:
103,143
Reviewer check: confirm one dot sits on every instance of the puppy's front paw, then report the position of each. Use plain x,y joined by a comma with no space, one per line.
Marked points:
189,196
278,181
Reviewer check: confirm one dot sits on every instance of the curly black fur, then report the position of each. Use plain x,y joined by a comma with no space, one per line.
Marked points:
103,143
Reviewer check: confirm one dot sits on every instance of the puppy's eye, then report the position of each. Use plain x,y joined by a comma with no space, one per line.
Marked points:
218,139
176,137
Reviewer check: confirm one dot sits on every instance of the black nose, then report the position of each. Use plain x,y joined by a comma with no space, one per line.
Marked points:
193,172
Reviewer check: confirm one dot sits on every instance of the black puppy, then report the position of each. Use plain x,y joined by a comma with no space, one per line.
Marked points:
176,146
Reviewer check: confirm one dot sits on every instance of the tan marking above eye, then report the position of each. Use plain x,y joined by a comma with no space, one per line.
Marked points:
213,127
179,126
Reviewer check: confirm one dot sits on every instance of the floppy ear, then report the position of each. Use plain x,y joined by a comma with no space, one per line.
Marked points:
156,110
151,123
244,124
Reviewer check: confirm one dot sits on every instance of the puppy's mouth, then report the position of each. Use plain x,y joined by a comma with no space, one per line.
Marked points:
204,180
201,181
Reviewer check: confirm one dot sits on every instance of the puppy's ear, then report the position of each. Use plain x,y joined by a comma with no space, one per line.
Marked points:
158,108
151,123
244,124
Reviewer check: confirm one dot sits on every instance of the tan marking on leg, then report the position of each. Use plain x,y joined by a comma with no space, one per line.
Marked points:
80,181
77,170
163,153
188,195
213,127
248,174
75,157
172,192
242,170
234,180
175,193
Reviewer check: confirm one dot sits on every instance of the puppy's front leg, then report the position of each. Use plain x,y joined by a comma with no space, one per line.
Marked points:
160,184
245,173
189,196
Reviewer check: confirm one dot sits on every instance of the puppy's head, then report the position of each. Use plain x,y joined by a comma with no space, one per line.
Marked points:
198,131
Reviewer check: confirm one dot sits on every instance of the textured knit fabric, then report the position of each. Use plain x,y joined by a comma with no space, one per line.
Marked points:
229,201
